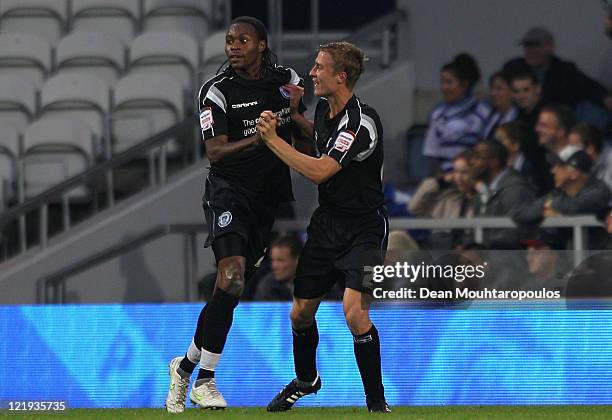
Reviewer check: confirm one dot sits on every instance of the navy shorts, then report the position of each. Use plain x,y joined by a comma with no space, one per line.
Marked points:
338,249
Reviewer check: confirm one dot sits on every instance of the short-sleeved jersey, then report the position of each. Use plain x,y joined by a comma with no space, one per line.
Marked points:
354,138
230,105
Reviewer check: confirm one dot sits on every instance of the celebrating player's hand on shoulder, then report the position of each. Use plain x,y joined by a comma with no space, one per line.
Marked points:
267,125
295,96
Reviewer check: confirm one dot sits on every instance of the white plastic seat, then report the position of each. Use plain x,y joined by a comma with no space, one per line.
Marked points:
120,17
9,154
44,18
80,96
168,52
189,16
213,55
26,55
99,53
17,101
145,104
55,149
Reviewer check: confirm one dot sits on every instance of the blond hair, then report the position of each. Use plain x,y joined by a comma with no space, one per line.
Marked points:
347,58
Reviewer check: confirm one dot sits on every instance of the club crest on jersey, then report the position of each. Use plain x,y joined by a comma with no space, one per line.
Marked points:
286,94
344,141
206,118
224,219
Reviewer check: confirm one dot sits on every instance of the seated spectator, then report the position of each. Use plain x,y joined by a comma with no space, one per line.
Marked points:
575,192
562,82
450,195
589,138
500,190
458,121
515,136
553,127
545,263
501,98
278,284
527,94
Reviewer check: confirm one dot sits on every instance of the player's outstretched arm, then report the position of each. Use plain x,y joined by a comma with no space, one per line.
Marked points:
219,147
318,170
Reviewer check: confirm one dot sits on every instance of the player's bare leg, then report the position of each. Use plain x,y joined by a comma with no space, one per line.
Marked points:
366,345
305,341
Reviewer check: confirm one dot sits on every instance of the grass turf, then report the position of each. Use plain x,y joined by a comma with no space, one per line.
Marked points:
335,413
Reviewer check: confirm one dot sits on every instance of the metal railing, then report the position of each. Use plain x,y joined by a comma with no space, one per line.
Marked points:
51,289
99,180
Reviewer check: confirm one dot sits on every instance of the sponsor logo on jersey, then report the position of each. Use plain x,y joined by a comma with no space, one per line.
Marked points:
206,118
344,141
224,219
244,104
286,94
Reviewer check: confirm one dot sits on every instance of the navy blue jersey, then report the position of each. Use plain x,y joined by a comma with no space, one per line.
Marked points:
230,105
354,138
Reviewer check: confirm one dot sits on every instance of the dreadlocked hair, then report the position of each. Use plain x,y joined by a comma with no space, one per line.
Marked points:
268,58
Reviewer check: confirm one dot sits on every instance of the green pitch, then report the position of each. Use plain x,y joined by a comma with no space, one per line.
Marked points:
350,413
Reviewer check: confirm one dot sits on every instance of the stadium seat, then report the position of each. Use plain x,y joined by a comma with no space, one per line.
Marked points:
168,52
44,18
189,16
25,55
55,149
99,53
213,55
145,104
120,17
80,96
17,101
9,155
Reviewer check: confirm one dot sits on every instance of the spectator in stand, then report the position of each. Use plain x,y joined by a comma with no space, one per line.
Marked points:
457,122
516,138
501,99
447,196
562,82
545,263
590,139
553,127
527,94
278,284
500,189
575,193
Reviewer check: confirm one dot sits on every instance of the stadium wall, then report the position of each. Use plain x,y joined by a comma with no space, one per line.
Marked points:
117,355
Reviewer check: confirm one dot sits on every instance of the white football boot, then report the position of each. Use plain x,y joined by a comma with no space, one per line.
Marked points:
207,396
175,401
